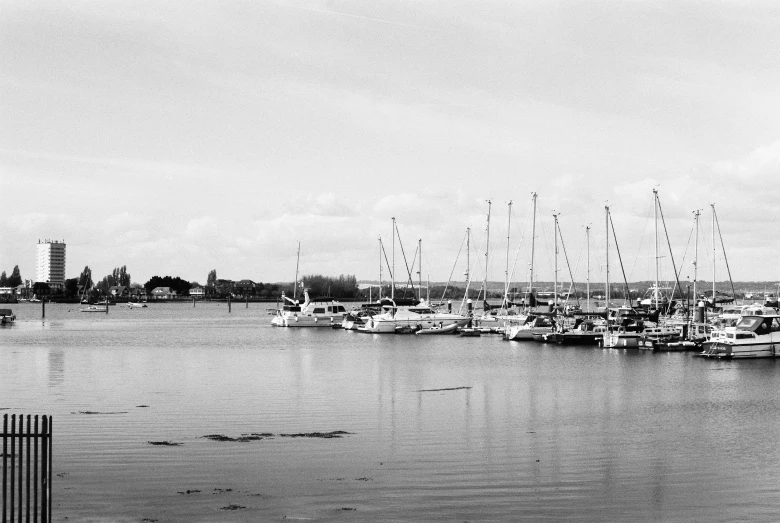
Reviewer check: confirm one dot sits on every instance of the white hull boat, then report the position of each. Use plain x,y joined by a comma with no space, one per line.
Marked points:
399,318
752,337
317,312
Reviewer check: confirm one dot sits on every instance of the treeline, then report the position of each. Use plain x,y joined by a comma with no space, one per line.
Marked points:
344,287
181,287
14,280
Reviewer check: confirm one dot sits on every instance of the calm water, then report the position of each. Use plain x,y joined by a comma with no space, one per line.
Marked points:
532,432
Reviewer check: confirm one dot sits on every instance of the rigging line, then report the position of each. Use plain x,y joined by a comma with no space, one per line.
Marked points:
641,242
576,269
471,272
671,255
441,301
406,263
620,259
387,262
517,255
733,292
566,257
685,253
410,276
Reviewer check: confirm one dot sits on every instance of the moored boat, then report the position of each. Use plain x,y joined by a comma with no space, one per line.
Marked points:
315,312
7,317
409,313
94,308
751,337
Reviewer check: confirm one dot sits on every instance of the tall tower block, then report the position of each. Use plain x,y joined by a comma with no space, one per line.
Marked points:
51,262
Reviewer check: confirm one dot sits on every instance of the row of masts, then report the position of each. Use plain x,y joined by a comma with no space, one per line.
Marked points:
507,275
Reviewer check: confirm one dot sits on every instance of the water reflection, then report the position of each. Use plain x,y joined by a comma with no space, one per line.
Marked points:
543,432
56,367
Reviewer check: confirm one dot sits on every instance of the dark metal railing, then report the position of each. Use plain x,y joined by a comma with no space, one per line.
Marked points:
26,469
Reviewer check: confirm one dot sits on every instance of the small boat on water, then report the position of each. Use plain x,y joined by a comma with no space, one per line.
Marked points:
7,317
445,329
94,308
136,305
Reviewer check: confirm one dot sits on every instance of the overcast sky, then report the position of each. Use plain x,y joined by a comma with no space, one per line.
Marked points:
176,138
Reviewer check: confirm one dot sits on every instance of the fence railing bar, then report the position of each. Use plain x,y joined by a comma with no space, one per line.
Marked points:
27,473
26,469
51,455
5,467
44,472
20,484
35,475
13,461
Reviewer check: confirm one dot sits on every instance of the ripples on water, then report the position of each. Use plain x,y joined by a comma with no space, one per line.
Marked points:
531,432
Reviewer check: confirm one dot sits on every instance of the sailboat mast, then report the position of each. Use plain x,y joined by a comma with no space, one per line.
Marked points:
506,279
696,214
713,256
533,245
555,284
468,253
297,264
419,266
655,215
392,270
487,251
587,275
380,267
607,259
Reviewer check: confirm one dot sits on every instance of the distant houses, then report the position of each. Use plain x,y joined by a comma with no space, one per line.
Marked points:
163,293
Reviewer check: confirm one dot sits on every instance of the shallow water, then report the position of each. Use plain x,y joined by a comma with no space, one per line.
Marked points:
529,431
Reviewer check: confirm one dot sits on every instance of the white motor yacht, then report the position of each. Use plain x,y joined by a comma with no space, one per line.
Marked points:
400,315
316,312
751,337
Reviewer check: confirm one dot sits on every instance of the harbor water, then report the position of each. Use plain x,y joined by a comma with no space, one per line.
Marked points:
424,428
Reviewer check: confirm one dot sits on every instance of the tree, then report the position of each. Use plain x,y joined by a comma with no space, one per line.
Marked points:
182,287
16,278
86,278
212,278
72,287
3,280
120,276
41,288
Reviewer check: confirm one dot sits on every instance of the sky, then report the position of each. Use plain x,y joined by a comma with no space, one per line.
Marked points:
179,137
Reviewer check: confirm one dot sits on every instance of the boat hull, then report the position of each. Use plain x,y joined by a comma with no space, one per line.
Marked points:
728,351
305,321
620,340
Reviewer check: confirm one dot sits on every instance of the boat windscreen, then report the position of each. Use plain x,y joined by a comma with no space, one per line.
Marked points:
749,323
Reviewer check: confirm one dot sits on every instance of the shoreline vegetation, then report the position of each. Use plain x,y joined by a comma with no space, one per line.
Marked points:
438,292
